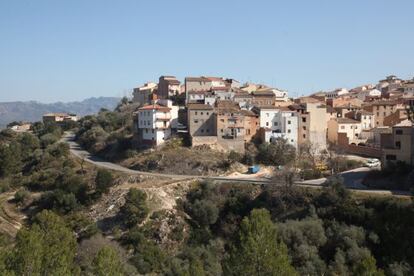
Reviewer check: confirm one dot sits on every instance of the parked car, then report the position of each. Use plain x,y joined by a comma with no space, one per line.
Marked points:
373,162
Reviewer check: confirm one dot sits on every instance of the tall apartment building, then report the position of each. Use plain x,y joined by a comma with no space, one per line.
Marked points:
312,128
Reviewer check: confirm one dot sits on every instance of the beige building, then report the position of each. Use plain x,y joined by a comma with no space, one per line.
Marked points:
143,95
312,127
350,128
201,120
399,146
382,109
366,118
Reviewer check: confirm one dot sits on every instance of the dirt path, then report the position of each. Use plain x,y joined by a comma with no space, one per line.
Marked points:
10,219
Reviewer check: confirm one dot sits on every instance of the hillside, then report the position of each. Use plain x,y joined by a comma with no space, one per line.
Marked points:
32,111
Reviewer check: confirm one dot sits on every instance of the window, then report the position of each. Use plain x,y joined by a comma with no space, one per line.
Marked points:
146,130
275,123
267,114
377,113
304,136
398,144
304,127
304,120
201,113
152,131
202,131
267,123
207,113
385,113
398,132
289,122
291,140
288,131
207,130
196,113
390,157
222,130
195,121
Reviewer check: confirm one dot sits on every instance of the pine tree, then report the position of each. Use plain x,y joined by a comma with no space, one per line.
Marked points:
107,262
259,251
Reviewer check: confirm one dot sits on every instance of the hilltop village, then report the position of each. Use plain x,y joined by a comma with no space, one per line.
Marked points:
370,120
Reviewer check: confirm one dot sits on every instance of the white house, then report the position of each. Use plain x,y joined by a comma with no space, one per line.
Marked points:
156,122
279,122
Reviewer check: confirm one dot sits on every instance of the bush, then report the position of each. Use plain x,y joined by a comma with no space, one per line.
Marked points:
21,196
135,209
103,181
276,153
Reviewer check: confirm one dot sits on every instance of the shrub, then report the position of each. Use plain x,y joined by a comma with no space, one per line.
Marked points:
135,209
103,181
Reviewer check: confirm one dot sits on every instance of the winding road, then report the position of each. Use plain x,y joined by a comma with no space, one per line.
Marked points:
352,178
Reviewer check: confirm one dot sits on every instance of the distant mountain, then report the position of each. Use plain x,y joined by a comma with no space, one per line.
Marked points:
32,111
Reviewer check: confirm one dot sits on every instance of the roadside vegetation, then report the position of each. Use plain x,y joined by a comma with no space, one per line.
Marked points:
212,229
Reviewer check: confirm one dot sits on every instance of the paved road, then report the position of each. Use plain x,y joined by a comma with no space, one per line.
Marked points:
352,179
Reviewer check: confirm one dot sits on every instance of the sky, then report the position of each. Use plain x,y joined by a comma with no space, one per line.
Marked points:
53,50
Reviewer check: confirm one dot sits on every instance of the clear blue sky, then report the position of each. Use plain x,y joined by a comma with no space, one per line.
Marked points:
68,50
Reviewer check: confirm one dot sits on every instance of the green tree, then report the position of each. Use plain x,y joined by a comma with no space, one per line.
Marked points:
10,159
258,251
103,181
107,262
278,152
135,209
367,267
48,247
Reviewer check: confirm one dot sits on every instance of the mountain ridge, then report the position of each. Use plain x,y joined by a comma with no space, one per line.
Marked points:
32,111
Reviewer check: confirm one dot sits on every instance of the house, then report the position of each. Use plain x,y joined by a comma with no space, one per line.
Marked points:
389,83
311,125
235,127
366,118
399,145
280,95
244,99
381,109
263,98
155,123
251,87
168,86
349,128
196,97
336,93
217,82
143,95
196,85
278,122
232,83
201,120
344,109
369,93
409,87
59,118
20,127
